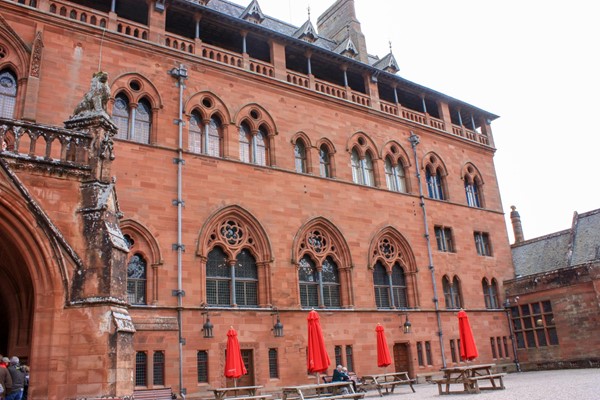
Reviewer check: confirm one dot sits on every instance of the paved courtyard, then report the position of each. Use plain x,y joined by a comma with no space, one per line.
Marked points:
576,384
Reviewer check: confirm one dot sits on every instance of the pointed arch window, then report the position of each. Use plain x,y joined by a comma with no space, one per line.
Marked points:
142,118
8,94
319,288
490,294
121,116
245,141
231,283
260,147
300,156
394,176
472,192
452,292
136,279
309,282
434,184
381,283
324,162
133,122
362,168
205,138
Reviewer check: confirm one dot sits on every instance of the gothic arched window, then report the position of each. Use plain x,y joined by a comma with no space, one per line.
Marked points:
8,94
136,279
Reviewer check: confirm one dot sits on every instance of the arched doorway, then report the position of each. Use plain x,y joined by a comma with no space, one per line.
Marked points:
16,300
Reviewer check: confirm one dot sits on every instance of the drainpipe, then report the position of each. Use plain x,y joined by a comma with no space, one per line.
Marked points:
181,75
414,141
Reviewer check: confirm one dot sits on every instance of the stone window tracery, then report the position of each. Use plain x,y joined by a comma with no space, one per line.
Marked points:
8,94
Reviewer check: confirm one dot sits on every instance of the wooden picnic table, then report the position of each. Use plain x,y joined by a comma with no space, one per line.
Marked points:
388,381
240,393
470,376
322,391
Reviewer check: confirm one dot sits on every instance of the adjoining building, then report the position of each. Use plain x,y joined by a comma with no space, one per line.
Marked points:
229,169
553,299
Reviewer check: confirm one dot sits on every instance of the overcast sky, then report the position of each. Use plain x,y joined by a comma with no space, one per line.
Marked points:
534,63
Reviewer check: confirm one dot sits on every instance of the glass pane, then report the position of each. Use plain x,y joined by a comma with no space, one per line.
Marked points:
244,139
553,336
195,134
246,266
214,138
530,339
357,176
307,271
380,276
541,337
216,264
329,271
547,306
261,148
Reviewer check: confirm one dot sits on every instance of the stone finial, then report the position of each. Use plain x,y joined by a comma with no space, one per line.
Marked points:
515,218
94,101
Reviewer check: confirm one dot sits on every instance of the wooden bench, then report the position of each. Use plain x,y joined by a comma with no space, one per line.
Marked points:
153,394
387,381
255,397
470,384
492,378
323,391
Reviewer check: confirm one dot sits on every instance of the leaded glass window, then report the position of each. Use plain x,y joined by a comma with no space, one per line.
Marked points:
260,140
195,133
490,294
141,369
214,137
331,285
309,282
399,287
202,366
434,184
324,162
382,286
246,279
394,176
300,156
218,278
451,293
8,94
143,118
482,244
472,193
136,279
121,116
245,140
158,365
273,364
367,170
357,175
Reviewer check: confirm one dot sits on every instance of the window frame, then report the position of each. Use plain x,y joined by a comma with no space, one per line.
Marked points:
483,244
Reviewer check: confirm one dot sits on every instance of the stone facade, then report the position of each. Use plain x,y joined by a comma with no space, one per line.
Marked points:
554,298
110,225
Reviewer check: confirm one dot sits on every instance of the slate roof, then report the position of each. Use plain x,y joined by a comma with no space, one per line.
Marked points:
575,246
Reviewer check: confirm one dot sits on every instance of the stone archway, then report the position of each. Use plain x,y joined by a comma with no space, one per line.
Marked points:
16,301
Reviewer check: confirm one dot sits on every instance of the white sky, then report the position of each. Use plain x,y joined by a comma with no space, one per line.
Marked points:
534,63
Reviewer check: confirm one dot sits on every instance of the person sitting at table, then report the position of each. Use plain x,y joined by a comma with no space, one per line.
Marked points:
340,376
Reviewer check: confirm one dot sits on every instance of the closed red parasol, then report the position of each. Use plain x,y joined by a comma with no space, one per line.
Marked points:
234,364
468,349
317,357
383,352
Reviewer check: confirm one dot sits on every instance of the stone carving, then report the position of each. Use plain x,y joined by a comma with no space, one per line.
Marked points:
94,101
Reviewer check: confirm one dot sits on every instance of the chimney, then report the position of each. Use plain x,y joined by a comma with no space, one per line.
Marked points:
339,22
515,218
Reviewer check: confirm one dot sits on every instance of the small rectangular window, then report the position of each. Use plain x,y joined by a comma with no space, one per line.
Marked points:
499,344
453,350
141,369
158,368
273,364
428,352
443,237
482,244
338,355
493,346
349,359
202,364
420,354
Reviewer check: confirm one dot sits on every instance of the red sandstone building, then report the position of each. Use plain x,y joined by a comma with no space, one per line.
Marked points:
553,299
261,170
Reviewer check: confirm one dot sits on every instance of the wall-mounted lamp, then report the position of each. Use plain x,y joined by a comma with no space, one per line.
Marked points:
278,326
207,327
406,326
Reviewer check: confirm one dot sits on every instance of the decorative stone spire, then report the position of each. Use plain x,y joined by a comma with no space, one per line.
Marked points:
253,13
515,219
388,63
